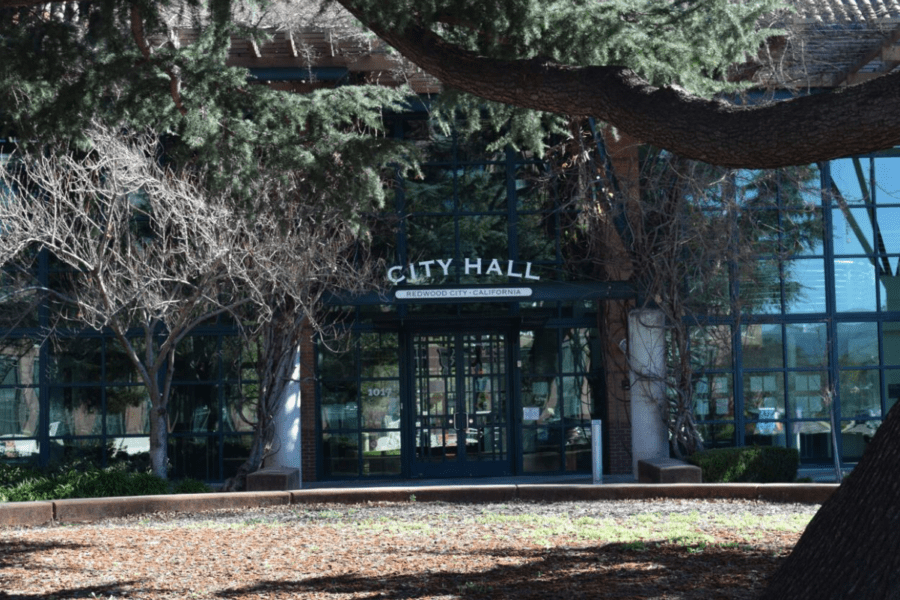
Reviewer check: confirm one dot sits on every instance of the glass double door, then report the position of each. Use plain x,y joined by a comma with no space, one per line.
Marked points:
461,404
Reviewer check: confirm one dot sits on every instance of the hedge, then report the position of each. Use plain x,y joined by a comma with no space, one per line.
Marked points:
758,464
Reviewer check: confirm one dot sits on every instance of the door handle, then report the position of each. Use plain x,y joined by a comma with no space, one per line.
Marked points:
460,421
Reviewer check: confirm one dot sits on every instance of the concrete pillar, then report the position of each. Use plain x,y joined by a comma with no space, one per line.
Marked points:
647,362
287,453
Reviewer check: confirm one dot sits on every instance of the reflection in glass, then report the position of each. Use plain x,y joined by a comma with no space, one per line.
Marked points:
341,455
717,435
380,404
890,290
806,344
340,409
857,344
541,452
807,393
379,355
77,361
711,346
240,406
235,451
194,408
860,394
892,385
127,410
196,457
764,395
854,283
762,346
19,405
804,285
760,288
118,366
336,361
852,231
197,359
713,398
76,411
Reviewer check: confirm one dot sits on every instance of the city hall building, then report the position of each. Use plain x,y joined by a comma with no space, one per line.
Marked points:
494,340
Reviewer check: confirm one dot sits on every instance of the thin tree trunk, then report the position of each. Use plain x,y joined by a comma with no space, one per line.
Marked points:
159,440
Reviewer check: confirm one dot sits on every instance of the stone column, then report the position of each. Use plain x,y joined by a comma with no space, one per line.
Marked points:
647,362
287,426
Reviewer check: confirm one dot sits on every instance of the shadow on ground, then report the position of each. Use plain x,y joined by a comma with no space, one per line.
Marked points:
651,570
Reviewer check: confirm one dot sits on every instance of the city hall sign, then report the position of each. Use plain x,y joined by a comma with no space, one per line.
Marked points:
471,266
414,272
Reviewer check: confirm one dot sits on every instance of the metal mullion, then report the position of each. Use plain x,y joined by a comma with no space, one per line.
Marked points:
830,297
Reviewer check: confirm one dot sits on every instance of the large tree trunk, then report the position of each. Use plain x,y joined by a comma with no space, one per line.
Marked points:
851,549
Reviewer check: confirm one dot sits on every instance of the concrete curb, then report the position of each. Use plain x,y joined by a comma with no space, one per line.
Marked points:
29,514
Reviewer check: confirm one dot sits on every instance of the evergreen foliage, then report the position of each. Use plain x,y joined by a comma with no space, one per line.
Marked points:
59,75
693,44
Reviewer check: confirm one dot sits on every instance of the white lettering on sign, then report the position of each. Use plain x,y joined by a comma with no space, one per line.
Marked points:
449,294
471,266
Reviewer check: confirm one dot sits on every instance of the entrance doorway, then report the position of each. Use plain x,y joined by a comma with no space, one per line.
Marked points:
461,405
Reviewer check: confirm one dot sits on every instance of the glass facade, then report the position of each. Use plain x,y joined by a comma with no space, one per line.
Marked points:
77,395
796,344
814,356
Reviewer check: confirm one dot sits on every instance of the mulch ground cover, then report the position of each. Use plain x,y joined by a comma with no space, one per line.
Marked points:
665,549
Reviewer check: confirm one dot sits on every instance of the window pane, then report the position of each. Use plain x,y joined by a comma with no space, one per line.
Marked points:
806,395
194,408
763,395
762,346
806,344
195,457
336,361
379,355
77,361
854,283
890,290
713,398
380,402
711,346
717,435
860,394
341,455
197,359
339,405
75,410
541,450
118,366
852,231
127,410
857,344
240,406
804,285
891,347
760,287
886,183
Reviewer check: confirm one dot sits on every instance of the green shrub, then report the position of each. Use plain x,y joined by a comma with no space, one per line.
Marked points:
759,464
91,483
190,486
11,475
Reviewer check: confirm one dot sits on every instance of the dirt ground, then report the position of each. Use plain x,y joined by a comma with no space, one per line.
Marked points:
658,549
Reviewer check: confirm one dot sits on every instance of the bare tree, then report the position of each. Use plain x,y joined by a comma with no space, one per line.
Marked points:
148,252
705,243
317,250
